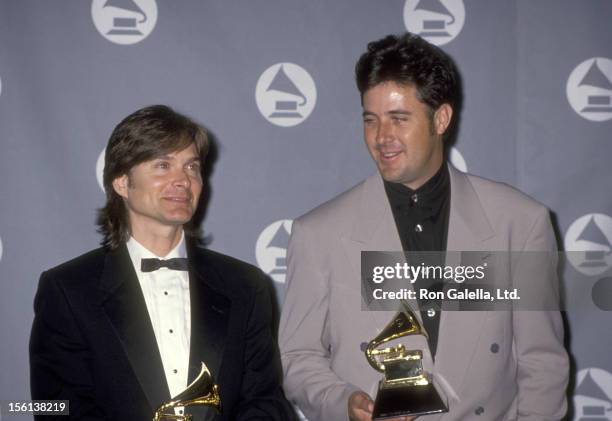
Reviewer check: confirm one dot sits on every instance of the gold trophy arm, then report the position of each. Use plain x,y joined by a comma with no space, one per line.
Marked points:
202,391
384,354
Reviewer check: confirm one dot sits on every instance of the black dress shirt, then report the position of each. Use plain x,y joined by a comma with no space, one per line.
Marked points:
421,217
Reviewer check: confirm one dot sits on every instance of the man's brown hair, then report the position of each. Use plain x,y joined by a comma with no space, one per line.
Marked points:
144,135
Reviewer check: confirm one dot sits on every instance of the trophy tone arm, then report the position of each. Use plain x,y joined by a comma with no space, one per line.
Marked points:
202,391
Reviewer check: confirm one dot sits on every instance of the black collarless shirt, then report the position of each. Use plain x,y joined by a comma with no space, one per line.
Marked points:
421,217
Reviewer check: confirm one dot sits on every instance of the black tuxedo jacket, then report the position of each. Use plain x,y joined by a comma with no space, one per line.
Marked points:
92,341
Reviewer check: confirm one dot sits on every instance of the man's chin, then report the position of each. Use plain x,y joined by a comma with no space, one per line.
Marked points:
396,176
178,219
391,177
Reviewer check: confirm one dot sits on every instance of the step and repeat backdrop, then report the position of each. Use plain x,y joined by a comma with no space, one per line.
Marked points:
272,80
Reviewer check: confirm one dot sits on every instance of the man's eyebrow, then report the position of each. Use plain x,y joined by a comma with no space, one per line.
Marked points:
399,112
391,112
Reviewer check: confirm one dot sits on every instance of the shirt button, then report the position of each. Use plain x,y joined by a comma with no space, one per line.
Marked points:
494,348
165,292
175,371
431,312
479,410
171,331
418,228
180,412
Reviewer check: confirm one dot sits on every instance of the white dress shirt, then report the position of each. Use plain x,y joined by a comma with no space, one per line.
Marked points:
166,293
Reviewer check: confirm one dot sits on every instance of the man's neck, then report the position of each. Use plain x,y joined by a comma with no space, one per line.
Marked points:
417,184
158,241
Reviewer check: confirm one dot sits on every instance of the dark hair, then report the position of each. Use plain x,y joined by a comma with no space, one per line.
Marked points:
410,60
143,135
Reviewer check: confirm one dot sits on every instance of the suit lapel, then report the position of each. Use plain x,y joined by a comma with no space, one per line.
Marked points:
468,225
468,230
125,306
374,230
210,310
375,226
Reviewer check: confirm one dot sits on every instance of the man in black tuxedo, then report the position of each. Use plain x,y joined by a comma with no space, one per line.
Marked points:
123,328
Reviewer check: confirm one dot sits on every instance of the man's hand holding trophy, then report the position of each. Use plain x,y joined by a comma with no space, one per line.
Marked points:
361,407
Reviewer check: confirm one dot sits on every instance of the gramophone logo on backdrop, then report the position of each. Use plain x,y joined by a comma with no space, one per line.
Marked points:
591,235
437,21
457,160
593,395
100,169
589,89
124,21
285,94
271,249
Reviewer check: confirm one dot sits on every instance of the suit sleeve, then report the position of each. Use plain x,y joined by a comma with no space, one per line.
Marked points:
304,333
59,357
543,367
262,396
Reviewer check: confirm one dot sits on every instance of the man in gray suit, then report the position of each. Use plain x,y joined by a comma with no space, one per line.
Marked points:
492,365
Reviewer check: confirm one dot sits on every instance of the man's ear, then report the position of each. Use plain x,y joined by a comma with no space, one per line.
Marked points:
121,185
442,118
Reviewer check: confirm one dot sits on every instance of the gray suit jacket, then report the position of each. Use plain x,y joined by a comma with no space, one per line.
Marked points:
493,365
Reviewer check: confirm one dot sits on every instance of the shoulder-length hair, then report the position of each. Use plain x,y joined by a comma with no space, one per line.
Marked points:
146,134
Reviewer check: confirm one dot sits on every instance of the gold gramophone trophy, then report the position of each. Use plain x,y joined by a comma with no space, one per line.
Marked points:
201,392
406,389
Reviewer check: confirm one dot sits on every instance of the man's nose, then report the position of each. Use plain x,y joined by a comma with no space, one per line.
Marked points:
384,134
182,179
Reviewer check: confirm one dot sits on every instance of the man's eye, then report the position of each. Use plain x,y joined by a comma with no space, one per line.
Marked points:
194,166
163,165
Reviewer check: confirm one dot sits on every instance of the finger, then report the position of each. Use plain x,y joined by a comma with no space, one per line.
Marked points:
360,415
364,402
370,405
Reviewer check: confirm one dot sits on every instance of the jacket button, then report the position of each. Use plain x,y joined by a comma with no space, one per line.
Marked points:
479,410
494,348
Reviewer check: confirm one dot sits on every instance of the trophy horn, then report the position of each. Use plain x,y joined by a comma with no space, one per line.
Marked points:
404,323
201,392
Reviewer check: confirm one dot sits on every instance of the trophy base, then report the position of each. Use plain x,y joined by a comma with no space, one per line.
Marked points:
411,401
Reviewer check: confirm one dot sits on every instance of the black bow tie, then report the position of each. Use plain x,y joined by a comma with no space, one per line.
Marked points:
149,265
